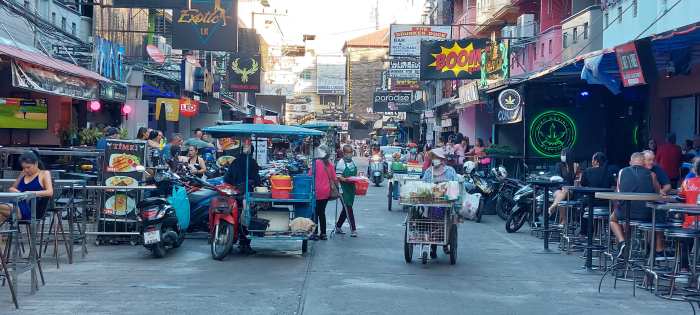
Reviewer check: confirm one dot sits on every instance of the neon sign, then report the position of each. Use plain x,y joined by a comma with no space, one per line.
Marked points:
552,131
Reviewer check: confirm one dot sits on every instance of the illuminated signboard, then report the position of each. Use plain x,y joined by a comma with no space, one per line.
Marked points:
552,131
451,59
207,25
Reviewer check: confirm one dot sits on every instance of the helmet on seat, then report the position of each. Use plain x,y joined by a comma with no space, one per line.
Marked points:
469,167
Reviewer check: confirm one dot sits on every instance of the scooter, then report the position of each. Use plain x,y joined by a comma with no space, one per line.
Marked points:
522,210
376,170
223,221
160,229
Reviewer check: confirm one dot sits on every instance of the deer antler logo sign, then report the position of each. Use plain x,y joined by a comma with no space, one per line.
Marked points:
245,72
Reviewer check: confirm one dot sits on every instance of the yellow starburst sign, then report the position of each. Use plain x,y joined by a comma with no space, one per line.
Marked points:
457,59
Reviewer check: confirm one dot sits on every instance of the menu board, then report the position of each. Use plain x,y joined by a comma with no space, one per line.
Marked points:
261,151
122,159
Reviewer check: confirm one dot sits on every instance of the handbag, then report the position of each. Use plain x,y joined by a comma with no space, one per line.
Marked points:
333,186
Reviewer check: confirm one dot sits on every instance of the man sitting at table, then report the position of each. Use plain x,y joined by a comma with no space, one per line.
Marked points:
662,179
635,179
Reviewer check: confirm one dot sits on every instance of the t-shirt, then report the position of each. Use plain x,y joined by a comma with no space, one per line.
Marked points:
669,156
598,177
341,165
690,190
636,179
661,175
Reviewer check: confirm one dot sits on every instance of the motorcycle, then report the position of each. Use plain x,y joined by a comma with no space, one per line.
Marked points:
160,229
376,170
504,196
522,210
223,221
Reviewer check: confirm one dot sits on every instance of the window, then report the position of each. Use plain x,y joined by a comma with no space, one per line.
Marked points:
74,29
306,74
634,8
565,39
542,51
585,30
607,19
63,23
575,35
619,13
550,46
53,18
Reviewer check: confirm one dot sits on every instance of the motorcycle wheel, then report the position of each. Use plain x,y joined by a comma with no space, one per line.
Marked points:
223,240
179,241
390,196
158,250
516,220
479,212
377,182
501,206
304,246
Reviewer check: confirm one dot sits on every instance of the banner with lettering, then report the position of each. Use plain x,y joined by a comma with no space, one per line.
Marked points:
452,59
208,25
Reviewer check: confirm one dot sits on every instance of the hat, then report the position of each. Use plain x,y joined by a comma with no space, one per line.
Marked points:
111,131
438,152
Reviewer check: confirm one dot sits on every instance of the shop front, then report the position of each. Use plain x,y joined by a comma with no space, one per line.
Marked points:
42,98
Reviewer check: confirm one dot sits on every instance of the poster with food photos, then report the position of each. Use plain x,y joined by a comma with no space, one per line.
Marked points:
122,161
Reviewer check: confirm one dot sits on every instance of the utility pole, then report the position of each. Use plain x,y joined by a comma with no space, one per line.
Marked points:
376,15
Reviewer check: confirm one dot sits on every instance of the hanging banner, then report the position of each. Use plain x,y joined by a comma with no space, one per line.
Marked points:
392,101
405,40
122,159
31,77
208,25
244,73
630,67
172,108
151,4
451,59
495,62
404,68
82,54
509,108
330,75
189,107
109,59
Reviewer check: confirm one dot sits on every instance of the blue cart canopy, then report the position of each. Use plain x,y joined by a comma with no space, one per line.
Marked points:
260,130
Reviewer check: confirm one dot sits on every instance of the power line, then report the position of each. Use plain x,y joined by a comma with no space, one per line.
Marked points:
658,19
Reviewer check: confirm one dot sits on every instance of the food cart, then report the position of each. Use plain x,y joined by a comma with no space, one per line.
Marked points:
411,172
267,215
431,220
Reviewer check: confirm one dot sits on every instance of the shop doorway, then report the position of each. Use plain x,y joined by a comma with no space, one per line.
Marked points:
683,118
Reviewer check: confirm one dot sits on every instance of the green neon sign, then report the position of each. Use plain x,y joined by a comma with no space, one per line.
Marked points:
552,131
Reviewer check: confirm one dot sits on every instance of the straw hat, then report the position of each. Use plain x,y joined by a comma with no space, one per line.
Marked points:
439,153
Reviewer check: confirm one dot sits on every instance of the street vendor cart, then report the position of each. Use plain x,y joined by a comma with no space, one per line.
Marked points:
267,212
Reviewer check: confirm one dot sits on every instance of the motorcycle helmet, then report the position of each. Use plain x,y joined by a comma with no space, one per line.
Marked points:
557,179
469,167
502,172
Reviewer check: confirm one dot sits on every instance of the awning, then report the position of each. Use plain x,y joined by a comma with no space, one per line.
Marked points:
48,62
572,67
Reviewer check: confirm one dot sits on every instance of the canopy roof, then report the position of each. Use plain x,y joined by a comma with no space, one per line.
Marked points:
223,131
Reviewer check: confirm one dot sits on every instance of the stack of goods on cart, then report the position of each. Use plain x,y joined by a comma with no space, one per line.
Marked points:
422,192
414,167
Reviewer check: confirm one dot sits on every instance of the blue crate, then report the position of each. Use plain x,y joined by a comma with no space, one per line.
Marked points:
301,186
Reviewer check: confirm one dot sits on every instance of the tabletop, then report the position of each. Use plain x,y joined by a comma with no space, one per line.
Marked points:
629,196
121,187
583,190
547,183
678,207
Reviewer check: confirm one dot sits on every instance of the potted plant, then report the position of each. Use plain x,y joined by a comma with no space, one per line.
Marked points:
90,136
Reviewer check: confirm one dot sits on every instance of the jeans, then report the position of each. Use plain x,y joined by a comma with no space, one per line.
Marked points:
320,216
349,215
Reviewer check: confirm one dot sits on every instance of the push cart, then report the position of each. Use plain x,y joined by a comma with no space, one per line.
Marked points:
294,204
430,224
395,182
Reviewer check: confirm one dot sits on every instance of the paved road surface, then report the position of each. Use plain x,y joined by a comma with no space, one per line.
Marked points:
496,273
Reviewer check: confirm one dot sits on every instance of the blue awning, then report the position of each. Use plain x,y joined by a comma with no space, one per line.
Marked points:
264,130
572,67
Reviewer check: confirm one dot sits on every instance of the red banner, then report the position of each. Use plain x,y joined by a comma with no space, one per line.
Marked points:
630,67
189,107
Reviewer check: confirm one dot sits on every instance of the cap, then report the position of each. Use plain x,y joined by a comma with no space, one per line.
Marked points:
438,152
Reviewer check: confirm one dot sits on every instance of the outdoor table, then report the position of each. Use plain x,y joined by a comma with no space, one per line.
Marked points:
32,261
589,193
545,184
626,196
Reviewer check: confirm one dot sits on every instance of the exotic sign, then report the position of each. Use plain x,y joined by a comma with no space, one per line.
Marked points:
495,62
552,131
32,77
405,40
207,25
404,68
630,67
392,101
451,59
509,108
330,75
151,4
244,73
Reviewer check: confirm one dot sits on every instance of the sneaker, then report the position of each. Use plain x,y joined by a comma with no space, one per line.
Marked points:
621,249
313,237
339,230
353,233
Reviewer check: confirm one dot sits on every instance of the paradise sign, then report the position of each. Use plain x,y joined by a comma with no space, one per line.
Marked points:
451,59
207,25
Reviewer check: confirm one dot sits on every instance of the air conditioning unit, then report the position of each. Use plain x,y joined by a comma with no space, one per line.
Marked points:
526,25
509,31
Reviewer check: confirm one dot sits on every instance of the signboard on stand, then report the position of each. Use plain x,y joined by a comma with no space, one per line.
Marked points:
207,25
405,40
122,157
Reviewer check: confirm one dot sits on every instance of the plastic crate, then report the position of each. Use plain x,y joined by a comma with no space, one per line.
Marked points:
301,187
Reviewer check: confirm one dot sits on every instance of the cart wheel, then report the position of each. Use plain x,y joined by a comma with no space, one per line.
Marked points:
453,245
304,246
98,242
390,195
424,257
407,248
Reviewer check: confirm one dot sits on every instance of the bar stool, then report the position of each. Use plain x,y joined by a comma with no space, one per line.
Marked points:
55,228
678,235
601,233
569,239
6,277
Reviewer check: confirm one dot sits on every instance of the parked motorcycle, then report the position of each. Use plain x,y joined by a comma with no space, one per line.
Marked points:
505,194
522,209
160,229
473,183
223,221
376,170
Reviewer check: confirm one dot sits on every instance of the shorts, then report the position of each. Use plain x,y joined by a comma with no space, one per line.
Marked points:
640,214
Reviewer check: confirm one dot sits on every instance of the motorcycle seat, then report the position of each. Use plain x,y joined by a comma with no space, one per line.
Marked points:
202,194
153,201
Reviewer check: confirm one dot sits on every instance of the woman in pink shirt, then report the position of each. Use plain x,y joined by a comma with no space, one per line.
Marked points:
324,178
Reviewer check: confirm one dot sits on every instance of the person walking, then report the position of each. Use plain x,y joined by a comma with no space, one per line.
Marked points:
344,169
326,189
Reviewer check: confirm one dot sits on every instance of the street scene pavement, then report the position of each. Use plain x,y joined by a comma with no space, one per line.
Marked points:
496,273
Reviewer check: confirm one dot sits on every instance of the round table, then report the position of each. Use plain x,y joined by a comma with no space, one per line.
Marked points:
589,193
545,184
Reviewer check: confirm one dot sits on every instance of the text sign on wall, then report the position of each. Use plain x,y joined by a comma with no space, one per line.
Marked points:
630,67
405,39
207,25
